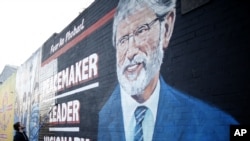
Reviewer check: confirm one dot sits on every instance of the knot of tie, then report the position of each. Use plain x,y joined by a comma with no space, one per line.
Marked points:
139,117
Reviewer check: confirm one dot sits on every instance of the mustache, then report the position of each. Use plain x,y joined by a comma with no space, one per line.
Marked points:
136,59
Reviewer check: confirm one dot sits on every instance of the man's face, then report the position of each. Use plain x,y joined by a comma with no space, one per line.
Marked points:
139,50
21,126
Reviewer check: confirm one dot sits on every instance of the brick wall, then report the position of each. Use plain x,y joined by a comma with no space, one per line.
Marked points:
208,56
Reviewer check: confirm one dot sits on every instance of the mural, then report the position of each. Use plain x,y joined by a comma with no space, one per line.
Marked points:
143,106
75,79
134,70
7,96
27,100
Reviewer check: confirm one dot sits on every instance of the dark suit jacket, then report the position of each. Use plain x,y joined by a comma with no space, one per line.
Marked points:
20,137
180,117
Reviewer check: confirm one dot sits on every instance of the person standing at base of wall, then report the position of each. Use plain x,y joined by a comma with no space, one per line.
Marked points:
20,134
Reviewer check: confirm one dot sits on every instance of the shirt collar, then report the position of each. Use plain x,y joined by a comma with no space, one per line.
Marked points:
129,104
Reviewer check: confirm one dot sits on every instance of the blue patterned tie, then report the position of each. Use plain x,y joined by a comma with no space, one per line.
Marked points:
139,117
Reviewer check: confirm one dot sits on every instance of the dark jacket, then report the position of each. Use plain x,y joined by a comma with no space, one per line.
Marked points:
20,136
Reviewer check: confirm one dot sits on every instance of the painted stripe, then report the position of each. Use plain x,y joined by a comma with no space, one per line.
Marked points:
81,36
64,129
3,136
87,87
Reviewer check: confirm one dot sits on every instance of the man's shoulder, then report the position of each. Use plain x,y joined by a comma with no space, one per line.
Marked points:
190,107
113,101
191,118
17,135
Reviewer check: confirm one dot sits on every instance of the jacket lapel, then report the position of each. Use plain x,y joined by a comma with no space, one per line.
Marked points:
116,127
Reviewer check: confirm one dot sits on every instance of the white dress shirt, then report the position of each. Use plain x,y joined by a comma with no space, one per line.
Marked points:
128,107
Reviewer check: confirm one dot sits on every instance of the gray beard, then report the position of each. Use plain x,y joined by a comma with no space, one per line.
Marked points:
151,66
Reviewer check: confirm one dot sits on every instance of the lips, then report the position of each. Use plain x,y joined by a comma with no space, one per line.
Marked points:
132,68
132,71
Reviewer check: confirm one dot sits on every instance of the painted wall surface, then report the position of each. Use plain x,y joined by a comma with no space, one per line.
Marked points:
7,97
27,100
190,70
78,74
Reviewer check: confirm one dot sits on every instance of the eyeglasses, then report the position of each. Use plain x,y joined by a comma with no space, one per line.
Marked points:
139,33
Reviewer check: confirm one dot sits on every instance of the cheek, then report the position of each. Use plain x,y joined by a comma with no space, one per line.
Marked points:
120,57
149,44
150,41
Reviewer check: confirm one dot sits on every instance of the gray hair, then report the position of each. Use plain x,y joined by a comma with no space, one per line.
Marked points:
127,7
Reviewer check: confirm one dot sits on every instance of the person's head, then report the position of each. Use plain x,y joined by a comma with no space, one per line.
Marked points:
18,126
141,31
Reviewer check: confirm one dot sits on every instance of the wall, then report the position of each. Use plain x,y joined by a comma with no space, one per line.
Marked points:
28,95
78,69
208,56
7,105
65,89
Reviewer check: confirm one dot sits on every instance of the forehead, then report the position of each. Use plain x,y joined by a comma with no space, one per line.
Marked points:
138,17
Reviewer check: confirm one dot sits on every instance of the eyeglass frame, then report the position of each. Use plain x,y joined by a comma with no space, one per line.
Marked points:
136,31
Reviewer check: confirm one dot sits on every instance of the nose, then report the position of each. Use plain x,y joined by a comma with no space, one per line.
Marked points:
132,48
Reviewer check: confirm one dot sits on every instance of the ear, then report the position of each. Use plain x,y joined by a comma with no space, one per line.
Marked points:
169,21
